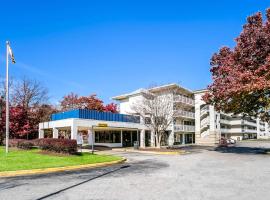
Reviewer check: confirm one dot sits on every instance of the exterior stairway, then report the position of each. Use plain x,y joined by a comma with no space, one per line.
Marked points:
207,138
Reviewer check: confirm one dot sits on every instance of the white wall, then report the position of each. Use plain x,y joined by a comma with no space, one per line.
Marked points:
126,105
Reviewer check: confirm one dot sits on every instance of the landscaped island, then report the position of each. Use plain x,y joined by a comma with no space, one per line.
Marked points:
18,159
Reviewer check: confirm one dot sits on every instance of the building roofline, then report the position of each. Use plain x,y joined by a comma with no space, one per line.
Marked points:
154,89
169,85
200,91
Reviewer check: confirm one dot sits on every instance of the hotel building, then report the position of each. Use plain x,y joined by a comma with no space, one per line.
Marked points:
194,122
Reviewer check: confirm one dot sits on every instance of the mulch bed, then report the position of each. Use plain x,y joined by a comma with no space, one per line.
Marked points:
160,150
97,147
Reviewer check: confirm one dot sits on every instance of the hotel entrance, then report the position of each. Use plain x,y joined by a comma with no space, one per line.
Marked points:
129,137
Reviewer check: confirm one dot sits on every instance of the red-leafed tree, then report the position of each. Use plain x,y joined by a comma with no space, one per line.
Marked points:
27,109
91,102
69,102
21,124
112,107
241,75
2,122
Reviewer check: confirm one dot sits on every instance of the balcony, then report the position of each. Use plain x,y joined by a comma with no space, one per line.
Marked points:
262,126
225,130
225,121
183,99
250,123
236,122
184,128
249,131
185,114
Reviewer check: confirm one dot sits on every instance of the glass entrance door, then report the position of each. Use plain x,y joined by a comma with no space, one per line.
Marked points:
127,139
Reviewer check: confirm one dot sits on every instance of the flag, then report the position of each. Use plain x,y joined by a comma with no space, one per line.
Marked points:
11,53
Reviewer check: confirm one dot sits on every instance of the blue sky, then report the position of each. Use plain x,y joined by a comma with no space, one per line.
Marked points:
114,47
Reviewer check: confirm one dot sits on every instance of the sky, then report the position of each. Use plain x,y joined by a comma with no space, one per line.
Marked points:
113,47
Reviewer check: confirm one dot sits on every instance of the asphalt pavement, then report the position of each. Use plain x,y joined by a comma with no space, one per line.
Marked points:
240,172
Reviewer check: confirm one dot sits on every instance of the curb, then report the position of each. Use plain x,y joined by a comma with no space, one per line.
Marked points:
59,169
154,152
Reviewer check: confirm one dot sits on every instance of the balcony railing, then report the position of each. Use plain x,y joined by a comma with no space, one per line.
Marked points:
225,130
184,128
249,130
183,113
225,121
250,123
183,99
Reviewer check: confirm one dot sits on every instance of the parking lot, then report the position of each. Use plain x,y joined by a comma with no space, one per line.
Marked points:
240,172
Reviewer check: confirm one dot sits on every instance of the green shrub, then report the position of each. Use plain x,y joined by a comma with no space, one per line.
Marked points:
58,145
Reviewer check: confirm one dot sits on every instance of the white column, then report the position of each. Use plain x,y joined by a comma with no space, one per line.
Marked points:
55,132
266,130
171,138
41,133
74,132
183,138
90,137
152,138
258,128
142,137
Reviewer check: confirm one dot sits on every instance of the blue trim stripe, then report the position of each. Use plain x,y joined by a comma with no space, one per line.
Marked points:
96,115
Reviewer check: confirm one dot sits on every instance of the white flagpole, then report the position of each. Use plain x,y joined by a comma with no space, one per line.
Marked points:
7,101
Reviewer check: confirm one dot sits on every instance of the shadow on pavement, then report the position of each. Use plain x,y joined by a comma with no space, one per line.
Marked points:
194,148
80,183
242,150
230,149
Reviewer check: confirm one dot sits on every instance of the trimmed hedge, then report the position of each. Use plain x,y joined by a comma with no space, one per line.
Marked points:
58,145
13,142
46,144
25,144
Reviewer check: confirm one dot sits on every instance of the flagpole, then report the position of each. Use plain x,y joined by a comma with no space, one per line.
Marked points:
7,101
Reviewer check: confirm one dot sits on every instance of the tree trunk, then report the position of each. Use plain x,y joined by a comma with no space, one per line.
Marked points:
158,140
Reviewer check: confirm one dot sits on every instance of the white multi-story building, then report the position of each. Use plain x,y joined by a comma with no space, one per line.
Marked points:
193,122
196,122
212,125
182,131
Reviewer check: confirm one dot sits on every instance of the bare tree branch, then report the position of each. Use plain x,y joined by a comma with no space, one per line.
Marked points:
157,112
29,93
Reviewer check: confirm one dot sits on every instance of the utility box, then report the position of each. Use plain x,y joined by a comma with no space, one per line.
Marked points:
136,144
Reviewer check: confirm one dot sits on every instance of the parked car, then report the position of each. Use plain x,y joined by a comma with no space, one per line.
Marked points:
231,141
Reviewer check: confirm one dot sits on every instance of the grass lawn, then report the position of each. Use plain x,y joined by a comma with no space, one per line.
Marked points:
33,159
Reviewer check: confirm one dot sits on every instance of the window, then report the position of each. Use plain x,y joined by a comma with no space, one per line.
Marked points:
147,120
191,123
48,133
107,136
